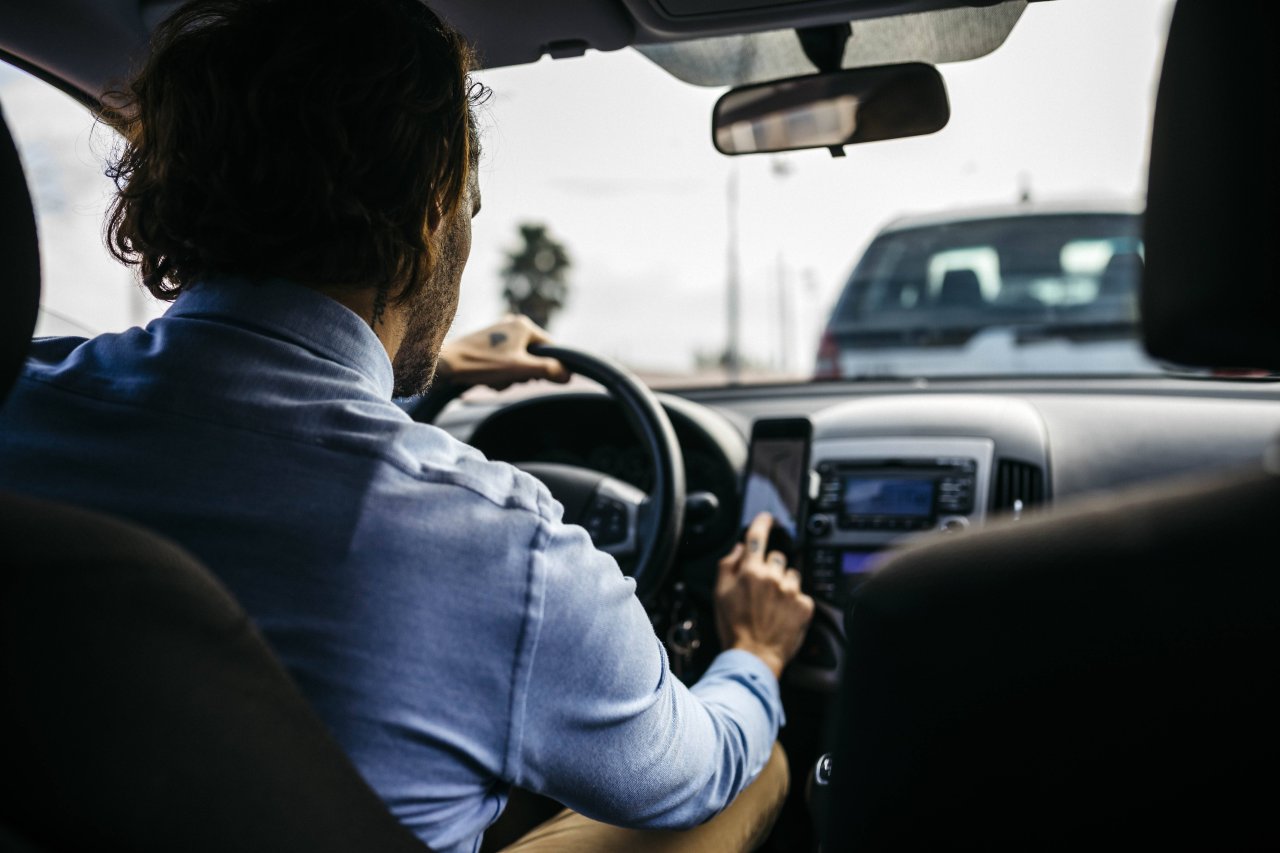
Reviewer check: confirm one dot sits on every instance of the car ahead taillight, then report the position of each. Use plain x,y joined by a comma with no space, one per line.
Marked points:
827,365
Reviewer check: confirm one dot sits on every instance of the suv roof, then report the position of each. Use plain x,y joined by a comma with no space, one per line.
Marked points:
1004,211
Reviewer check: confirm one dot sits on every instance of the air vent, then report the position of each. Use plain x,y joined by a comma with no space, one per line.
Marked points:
1018,486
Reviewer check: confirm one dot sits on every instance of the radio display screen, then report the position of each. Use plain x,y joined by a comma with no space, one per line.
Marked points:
887,496
859,562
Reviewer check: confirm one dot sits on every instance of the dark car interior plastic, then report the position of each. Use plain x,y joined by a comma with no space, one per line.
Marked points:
1106,676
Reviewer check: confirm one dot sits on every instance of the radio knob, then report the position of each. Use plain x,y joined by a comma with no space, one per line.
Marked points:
819,525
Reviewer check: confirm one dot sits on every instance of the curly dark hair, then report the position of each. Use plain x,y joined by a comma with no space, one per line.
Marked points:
301,139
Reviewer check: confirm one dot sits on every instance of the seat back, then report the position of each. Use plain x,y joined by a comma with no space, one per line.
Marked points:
960,289
141,711
1105,675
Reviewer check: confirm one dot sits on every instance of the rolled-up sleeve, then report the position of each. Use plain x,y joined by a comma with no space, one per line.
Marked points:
599,722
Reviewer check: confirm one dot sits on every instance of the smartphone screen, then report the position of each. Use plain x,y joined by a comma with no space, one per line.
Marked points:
777,480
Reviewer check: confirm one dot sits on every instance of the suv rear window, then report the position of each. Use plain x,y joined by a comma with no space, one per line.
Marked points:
1056,270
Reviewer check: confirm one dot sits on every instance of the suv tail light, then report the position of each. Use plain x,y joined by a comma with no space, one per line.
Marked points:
827,365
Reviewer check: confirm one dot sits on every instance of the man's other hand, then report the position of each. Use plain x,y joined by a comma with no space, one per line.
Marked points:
499,355
759,605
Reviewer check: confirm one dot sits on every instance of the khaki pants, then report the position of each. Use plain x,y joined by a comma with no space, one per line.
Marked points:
742,826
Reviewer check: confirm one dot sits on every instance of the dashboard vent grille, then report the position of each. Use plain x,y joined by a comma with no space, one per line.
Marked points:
1018,486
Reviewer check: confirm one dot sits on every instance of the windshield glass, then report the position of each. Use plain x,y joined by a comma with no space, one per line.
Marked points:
693,268
609,217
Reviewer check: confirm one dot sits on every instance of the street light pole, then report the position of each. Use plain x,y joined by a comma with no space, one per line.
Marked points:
781,169
784,317
733,304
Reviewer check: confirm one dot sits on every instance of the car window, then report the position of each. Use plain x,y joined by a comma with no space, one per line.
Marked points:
1023,293
85,290
1020,270
604,164
669,241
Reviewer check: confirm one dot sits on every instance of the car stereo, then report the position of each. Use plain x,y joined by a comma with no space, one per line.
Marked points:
893,494
864,506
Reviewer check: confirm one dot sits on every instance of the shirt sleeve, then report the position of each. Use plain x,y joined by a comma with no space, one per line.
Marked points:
600,724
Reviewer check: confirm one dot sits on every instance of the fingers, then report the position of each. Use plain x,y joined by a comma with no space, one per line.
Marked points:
526,333
552,369
525,366
535,333
791,580
522,326
730,561
758,535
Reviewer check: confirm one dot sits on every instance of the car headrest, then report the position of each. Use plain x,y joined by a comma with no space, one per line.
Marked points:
1211,296
960,289
20,255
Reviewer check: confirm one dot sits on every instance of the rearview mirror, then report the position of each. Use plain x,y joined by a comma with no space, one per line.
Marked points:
831,110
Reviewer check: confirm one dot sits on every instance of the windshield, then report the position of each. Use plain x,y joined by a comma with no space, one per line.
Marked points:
610,218
693,268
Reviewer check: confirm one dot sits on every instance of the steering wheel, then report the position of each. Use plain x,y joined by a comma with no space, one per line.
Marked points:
640,530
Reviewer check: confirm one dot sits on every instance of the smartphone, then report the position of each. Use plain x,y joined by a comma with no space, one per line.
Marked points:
777,481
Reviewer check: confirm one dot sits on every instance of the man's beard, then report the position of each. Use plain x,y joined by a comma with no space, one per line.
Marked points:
429,317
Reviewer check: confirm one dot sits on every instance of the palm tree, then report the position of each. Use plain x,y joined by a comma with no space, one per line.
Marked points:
534,281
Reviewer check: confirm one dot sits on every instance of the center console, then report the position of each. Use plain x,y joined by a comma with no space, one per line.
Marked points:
874,494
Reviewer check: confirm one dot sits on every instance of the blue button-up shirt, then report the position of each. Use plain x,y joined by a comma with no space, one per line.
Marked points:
455,635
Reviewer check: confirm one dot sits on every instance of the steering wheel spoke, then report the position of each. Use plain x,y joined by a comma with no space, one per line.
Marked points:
640,530
613,517
609,509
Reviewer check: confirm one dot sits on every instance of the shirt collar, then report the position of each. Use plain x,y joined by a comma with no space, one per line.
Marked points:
295,313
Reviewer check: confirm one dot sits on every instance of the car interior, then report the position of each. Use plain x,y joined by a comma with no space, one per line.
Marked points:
1072,643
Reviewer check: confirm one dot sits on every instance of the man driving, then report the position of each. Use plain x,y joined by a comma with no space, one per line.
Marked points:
299,178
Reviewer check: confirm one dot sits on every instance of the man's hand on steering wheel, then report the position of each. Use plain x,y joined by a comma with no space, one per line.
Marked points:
499,356
642,529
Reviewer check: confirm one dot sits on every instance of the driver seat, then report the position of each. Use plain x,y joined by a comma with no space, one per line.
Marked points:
141,709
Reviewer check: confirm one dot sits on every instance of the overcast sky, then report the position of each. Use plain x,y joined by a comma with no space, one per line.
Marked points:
615,157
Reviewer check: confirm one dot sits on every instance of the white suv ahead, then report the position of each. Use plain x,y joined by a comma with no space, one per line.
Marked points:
1029,289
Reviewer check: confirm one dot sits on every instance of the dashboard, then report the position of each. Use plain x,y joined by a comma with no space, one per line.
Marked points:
892,463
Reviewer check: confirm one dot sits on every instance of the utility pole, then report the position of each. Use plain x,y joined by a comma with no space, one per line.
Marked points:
781,169
784,317
733,302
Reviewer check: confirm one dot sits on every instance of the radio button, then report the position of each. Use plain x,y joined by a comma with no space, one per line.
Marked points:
819,525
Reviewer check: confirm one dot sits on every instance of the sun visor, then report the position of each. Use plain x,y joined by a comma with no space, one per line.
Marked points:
944,35
1211,293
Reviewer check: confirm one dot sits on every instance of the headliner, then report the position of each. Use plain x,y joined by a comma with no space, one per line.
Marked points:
91,43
